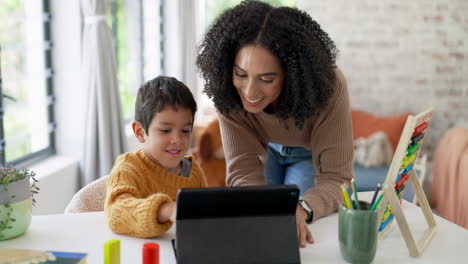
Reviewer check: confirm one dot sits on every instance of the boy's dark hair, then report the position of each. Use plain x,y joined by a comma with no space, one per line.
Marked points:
305,51
158,93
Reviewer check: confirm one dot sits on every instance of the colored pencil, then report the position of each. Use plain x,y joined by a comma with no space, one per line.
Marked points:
356,200
375,194
374,205
350,195
346,200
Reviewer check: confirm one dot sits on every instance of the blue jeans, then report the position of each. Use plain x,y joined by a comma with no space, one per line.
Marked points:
289,165
293,165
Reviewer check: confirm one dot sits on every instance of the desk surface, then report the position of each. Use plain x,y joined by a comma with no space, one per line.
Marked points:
87,232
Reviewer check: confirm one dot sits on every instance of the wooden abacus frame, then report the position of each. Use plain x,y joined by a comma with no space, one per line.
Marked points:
393,187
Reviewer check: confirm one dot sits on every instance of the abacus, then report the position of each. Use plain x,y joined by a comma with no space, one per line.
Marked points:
401,172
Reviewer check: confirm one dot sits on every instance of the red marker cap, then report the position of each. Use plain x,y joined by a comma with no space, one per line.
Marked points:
151,253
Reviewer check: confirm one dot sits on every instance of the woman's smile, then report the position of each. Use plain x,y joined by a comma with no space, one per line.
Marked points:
253,102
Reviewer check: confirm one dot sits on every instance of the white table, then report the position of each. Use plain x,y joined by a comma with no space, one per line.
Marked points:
87,232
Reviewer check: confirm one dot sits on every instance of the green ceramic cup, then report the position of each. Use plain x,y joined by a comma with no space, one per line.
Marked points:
357,233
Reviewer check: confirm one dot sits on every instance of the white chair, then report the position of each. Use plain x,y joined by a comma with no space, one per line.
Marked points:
90,198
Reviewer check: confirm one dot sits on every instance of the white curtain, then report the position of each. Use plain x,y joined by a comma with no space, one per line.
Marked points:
181,33
104,132
189,44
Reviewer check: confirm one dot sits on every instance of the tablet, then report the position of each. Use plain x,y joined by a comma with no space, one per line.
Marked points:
252,224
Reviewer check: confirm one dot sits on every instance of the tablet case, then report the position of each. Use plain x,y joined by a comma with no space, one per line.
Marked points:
254,224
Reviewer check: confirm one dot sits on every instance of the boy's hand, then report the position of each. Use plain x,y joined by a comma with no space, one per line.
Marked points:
167,212
303,232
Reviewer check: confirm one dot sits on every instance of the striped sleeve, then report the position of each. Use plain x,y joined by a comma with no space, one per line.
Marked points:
332,148
242,150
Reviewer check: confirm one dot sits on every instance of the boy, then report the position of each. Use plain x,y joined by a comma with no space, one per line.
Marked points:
142,186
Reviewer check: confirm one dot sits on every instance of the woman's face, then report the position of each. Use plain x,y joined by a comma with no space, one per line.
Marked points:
258,78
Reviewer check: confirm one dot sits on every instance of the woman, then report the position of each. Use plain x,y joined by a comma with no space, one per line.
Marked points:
272,76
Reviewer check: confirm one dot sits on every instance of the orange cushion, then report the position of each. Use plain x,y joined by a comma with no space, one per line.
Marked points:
365,124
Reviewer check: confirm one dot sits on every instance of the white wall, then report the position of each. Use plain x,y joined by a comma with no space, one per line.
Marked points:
402,56
57,182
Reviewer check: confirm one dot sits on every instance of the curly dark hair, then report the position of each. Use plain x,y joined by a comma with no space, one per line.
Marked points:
154,95
306,52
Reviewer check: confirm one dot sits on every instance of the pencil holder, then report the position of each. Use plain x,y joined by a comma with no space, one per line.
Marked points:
358,233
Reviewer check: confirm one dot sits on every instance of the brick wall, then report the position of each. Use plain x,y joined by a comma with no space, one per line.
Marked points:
402,56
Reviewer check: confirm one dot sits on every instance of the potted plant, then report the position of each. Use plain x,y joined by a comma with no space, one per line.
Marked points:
16,201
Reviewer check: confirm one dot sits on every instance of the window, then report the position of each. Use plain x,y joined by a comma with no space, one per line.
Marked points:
26,109
137,29
212,9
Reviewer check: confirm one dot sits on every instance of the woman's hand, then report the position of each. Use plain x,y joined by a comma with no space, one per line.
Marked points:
303,232
167,212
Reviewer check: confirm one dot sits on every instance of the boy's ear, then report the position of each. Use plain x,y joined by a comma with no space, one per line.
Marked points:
138,131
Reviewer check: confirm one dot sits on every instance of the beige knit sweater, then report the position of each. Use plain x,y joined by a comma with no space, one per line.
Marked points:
135,190
328,136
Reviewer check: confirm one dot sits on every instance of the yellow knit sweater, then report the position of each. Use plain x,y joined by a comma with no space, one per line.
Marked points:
135,190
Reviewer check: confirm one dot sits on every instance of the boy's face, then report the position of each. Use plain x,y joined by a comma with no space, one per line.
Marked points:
168,137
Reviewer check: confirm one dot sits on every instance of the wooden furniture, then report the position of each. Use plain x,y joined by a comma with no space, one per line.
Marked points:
400,173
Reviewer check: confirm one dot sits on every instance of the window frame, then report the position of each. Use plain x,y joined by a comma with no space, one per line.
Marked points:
51,148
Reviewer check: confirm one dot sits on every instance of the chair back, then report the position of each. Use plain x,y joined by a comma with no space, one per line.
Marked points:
90,198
